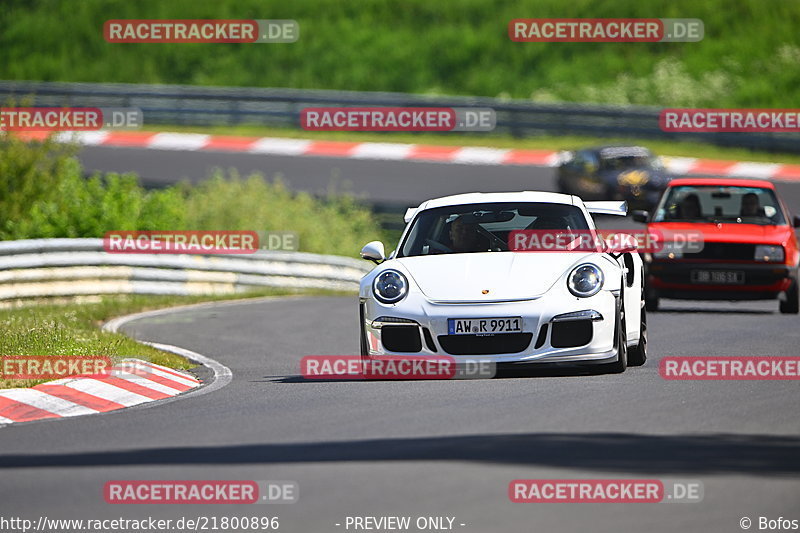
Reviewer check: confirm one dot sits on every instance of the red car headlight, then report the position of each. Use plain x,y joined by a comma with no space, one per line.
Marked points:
769,253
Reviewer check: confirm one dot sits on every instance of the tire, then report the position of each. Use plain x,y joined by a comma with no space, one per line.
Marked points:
363,335
637,356
619,366
651,300
790,305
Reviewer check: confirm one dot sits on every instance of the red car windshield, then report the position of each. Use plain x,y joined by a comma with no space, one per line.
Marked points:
720,203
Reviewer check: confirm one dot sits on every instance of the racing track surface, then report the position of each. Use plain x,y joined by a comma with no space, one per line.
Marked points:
441,448
402,183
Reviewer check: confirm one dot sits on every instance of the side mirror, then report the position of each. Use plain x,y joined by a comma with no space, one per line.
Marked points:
796,221
640,216
374,251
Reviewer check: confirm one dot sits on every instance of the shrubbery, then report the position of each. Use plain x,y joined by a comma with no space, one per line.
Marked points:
43,194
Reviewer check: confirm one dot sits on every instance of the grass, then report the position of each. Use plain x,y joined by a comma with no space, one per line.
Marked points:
748,57
666,148
72,328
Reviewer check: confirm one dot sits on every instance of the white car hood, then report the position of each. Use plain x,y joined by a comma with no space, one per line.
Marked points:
506,275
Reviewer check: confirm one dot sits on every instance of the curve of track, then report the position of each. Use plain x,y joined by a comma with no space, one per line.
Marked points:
431,448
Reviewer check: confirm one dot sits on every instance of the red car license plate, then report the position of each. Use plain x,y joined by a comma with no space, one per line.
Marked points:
719,277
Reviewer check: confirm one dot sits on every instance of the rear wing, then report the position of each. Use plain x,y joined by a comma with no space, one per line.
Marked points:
607,208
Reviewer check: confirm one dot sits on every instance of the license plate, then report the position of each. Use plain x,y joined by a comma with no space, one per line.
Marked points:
483,326
720,277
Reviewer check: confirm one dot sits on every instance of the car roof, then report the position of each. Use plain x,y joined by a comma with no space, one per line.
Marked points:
611,152
734,182
496,197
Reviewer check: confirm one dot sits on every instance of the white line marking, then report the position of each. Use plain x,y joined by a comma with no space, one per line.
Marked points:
381,151
86,138
555,159
174,372
103,390
144,382
222,374
270,145
178,141
143,369
679,165
754,170
42,400
477,155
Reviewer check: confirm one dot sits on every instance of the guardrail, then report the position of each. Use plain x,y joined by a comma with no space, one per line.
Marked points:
209,106
70,267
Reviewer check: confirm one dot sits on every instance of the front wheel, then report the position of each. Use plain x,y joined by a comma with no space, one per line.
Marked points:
363,335
651,300
637,355
791,304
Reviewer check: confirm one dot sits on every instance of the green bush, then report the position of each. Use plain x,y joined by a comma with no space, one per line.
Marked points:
65,204
335,224
29,172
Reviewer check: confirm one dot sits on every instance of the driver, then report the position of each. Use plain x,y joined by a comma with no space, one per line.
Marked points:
690,207
750,205
465,237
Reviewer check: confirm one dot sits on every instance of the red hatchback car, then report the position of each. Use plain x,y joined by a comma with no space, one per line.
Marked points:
748,252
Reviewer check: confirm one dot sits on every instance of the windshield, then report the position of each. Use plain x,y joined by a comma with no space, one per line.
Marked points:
622,163
625,158
484,227
720,203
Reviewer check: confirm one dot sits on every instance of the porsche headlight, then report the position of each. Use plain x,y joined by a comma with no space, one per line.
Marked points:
585,280
768,253
390,286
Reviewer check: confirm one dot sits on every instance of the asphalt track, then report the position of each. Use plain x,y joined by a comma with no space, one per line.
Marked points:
399,183
422,448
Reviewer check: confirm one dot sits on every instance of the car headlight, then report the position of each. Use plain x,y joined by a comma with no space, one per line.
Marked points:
390,286
769,253
585,280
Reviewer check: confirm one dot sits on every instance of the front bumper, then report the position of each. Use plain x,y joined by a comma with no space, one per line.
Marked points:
547,335
762,281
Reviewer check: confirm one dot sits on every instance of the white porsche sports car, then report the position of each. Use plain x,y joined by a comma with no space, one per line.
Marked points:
454,287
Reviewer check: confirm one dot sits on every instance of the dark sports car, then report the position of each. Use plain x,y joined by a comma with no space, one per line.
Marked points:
630,173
